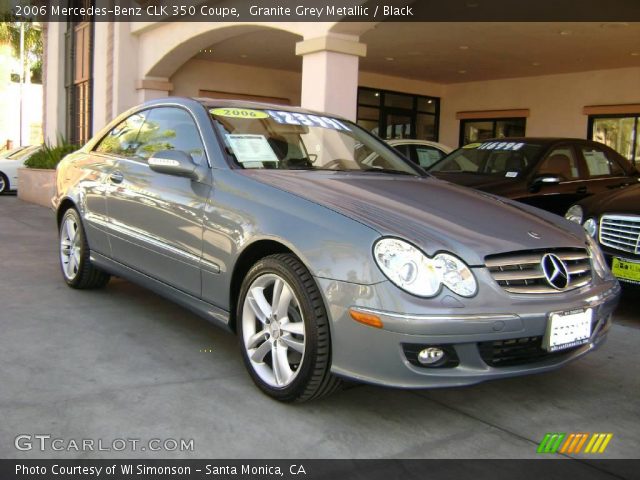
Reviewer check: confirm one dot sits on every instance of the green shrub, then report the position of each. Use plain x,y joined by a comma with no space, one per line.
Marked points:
49,156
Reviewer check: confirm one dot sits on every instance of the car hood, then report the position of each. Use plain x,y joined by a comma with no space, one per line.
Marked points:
624,200
433,215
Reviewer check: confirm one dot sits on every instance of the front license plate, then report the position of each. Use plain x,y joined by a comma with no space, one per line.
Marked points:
568,329
625,269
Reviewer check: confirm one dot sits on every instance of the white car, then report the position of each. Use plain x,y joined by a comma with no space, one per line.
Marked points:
10,164
422,152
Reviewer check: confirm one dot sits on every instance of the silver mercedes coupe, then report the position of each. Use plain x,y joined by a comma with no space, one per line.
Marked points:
328,254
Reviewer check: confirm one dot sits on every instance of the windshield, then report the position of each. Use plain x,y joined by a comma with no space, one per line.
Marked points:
22,153
507,159
274,139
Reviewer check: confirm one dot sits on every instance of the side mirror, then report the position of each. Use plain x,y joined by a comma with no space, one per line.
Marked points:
547,178
174,162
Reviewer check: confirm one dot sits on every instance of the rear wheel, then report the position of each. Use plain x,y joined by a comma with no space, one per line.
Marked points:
75,262
4,183
284,331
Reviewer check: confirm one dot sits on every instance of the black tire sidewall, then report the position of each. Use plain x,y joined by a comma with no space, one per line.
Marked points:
276,266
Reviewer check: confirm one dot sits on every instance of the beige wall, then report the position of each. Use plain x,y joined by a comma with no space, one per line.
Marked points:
555,101
196,75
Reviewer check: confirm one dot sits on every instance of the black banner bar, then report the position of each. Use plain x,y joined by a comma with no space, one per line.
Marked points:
542,469
328,10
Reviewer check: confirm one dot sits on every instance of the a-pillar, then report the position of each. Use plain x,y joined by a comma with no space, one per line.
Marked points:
330,74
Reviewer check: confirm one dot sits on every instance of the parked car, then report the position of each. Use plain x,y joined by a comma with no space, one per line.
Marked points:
613,218
549,173
421,152
261,219
10,164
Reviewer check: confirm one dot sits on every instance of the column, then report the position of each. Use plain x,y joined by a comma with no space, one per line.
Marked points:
330,74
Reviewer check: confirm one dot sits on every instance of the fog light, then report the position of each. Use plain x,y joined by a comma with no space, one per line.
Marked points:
430,355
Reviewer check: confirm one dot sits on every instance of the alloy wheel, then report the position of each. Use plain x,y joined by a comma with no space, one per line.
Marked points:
273,330
70,248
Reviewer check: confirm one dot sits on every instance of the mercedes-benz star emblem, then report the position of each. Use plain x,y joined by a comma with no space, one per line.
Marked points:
555,271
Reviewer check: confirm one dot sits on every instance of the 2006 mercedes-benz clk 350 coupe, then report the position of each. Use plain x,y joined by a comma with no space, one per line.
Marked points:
328,254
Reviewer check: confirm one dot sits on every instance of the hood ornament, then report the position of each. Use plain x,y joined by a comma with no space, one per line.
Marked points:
533,234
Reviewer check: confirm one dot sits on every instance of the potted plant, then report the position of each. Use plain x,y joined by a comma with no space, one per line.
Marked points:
37,181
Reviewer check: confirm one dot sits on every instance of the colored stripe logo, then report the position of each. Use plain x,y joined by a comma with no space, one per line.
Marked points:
573,443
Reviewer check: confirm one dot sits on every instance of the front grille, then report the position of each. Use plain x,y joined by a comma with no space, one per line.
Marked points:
521,272
621,232
517,351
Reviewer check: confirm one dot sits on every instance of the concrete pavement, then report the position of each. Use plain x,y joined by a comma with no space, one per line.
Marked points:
124,363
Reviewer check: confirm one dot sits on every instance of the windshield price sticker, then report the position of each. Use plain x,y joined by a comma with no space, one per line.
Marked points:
238,113
511,174
251,148
469,146
295,118
513,146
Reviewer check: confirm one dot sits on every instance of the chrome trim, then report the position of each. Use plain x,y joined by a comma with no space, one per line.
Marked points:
624,237
405,316
144,238
523,273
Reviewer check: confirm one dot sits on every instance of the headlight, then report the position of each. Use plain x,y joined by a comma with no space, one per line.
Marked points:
591,227
574,214
597,258
411,270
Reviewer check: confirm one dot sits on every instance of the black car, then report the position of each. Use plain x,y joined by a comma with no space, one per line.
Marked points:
549,173
613,218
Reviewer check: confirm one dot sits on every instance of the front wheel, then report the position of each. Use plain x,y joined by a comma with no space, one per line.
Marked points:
75,262
283,330
4,183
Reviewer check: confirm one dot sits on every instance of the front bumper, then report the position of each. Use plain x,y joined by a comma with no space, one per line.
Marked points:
483,345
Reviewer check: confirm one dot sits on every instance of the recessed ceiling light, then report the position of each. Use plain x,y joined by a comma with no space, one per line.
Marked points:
565,33
389,59
464,47
376,94
244,55
635,54
462,72
536,64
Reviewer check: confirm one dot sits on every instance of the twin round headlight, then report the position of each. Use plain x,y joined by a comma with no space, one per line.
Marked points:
411,270
575,214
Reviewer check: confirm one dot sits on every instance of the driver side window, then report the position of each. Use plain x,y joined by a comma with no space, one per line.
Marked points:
561,161
170,128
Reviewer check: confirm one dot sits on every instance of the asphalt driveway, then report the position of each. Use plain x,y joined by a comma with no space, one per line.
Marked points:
125,363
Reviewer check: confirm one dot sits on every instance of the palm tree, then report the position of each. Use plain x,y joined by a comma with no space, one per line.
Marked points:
10,35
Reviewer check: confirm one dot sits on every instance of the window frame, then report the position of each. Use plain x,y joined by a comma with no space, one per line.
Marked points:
635,161
493,120
413,112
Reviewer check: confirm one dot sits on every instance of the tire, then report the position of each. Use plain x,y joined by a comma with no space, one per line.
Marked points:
4,183
75,263
295,332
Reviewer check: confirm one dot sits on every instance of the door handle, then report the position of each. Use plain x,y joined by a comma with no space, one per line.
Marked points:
116,177
581,190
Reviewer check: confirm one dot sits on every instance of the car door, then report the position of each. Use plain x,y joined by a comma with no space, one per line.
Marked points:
604,171
156,219
560,161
